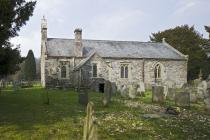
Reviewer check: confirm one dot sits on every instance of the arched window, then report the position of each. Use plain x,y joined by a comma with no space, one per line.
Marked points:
63,72
157,71
124,71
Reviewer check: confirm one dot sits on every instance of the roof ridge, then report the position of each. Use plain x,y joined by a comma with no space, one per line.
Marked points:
108,40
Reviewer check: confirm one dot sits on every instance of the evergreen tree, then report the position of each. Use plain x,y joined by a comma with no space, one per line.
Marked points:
9,60
207,45
188,41
30,66
13,15
207,28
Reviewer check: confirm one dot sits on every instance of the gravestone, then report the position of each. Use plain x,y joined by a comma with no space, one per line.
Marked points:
158,94
165,91
208,86
207,96
207,104
83,96
171,94
141,89
170,84
90,124
107,93
123,91
193,95
14,84
114,89
182,99
201,89
132,91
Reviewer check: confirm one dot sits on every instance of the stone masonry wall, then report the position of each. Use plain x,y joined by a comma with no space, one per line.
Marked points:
173,72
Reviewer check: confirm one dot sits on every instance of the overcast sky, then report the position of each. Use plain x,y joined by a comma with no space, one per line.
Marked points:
111,19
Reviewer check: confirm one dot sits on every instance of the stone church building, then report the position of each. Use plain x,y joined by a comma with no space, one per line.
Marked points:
84,62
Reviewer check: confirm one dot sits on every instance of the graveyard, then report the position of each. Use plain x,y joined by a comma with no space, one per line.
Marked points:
104,70
25,115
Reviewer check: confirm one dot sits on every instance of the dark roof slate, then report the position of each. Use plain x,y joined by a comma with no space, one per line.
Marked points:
114,49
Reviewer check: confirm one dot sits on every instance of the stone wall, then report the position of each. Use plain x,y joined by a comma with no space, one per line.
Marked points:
53,72
172,71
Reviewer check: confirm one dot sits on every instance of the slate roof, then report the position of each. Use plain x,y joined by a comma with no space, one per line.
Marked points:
114,49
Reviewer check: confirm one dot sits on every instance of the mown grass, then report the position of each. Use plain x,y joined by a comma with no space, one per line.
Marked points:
24,116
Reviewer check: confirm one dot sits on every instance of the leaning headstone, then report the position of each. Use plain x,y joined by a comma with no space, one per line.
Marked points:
90,125
141,89
83,96
132,91
171,94
107,93
182,99
123,91
158,94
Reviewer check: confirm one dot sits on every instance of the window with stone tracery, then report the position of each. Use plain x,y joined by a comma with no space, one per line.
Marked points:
124,71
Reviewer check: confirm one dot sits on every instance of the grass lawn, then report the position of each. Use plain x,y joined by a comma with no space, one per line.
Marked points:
23,116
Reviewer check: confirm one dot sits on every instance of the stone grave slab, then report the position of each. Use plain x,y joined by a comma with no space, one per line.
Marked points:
158,94
182,99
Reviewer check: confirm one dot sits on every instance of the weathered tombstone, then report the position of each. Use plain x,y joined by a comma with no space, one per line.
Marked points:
90,125
165,91
132,91
123,91
207,96
196,82
170,83
182,99
201,90
207,104
14,84
83,96
3,83
107,93
158,94
193,95
114,89
141,89
171,94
